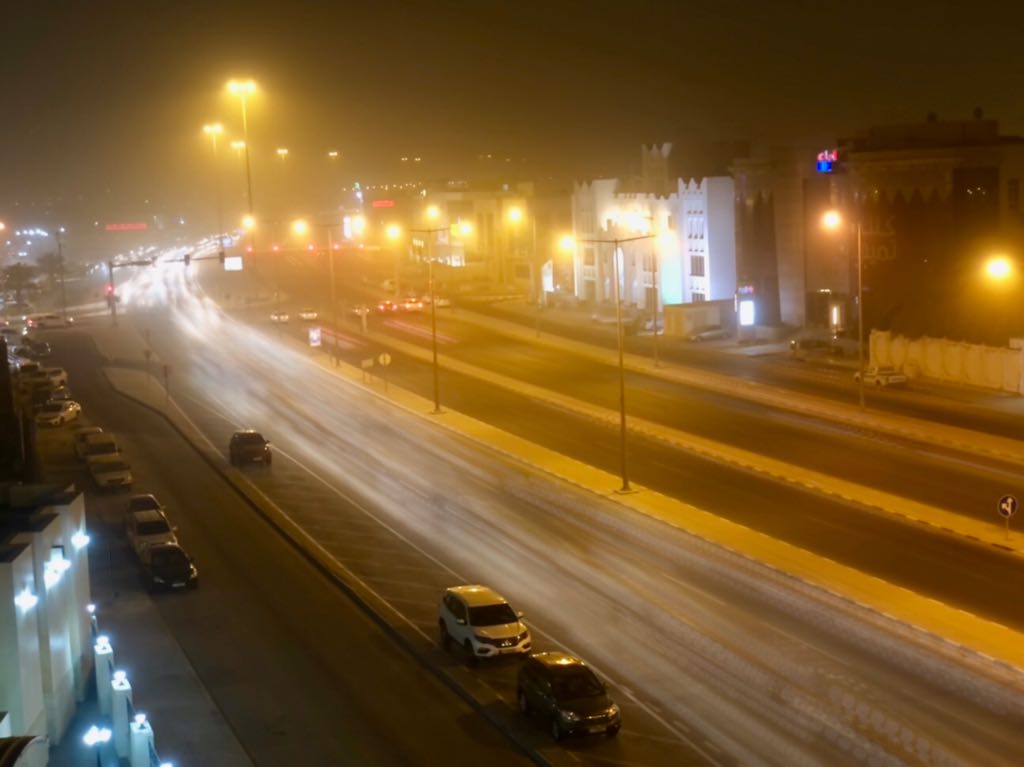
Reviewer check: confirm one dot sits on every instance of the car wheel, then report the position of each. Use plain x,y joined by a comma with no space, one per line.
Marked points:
612,731
556,730
471,658
446,638
524,703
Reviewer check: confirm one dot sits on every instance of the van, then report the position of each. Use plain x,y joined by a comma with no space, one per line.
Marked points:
96,445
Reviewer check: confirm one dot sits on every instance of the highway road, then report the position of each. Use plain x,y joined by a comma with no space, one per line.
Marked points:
302,674
730,661
979,579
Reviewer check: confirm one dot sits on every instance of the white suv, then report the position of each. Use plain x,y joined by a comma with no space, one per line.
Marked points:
147,528
481,621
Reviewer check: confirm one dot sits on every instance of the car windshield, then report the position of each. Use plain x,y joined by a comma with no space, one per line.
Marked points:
52,407
153,527
576,683
143,503
491,615
170,557
250,439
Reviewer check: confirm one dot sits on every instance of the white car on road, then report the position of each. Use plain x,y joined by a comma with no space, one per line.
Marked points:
58,413
481,622
278,316
882,375
308,315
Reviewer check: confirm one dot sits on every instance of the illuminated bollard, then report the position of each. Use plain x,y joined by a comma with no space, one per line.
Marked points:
121,698
103,662
141,741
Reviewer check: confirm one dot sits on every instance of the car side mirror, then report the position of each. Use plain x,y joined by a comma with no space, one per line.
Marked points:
461,621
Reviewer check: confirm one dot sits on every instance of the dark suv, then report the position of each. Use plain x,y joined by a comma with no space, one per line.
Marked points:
561,688
248,447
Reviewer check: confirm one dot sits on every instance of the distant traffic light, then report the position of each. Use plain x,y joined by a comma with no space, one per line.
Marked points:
109,289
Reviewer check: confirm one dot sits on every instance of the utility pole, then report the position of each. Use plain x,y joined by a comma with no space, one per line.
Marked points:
112,295
60,261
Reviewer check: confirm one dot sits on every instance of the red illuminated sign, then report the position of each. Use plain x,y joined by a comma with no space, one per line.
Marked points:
383,203
131,226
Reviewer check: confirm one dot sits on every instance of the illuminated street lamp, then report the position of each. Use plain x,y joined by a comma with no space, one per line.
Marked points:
998,268
333,154
616,243
95,738
282,152
243,89
832,221
214,131
238,145
300,228
432,213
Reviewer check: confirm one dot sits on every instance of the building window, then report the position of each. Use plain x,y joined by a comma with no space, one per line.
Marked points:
1013,195
697,266
698,297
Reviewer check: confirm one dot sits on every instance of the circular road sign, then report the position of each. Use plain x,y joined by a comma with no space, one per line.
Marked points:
1008,506
384,359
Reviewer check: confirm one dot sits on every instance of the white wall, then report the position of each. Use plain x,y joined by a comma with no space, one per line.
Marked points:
21,689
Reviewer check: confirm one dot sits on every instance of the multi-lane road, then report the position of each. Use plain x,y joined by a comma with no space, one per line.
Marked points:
718,660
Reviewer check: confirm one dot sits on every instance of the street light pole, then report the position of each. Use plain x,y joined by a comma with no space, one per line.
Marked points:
860,317
429,233
620,335
334,294
60,262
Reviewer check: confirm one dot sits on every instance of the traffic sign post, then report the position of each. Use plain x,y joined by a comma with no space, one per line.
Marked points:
1007,508
314,337
384,359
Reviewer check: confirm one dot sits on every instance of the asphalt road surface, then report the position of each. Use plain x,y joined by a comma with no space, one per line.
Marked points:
302,674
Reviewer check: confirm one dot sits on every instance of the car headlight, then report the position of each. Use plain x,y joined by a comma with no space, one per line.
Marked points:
613,710
570,716
158,579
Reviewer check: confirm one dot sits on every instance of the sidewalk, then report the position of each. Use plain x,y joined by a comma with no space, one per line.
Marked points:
188,727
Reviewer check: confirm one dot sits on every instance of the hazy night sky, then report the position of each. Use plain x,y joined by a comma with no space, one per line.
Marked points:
111,95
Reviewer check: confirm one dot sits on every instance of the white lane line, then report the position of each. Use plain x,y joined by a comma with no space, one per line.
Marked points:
682,736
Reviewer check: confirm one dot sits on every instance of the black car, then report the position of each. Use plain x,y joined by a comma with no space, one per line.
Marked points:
248,447
33,349
561,688
167,566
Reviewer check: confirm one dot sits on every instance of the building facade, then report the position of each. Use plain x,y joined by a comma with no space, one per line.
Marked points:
670,240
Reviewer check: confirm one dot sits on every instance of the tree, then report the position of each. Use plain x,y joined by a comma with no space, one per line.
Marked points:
16,278
50,265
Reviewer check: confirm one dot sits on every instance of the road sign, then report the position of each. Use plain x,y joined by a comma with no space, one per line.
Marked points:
383,359
1007,506
314,336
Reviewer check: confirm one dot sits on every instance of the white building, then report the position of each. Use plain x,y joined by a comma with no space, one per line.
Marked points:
675,239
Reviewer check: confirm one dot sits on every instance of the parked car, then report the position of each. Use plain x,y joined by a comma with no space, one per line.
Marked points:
279,316
110,471
148,528
882,375
249,446
481,622
309,315
33,349
79,437
709,333
58,413
144,502
167,566
96,445
561,688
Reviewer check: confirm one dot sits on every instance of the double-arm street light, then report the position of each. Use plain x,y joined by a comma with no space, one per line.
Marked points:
243,89
464,228
833,221
213,132
616,244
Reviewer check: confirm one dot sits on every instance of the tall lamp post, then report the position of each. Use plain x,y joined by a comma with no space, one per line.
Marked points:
60,262
616,243
214,130
243,89
301,228
833,221
464,228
